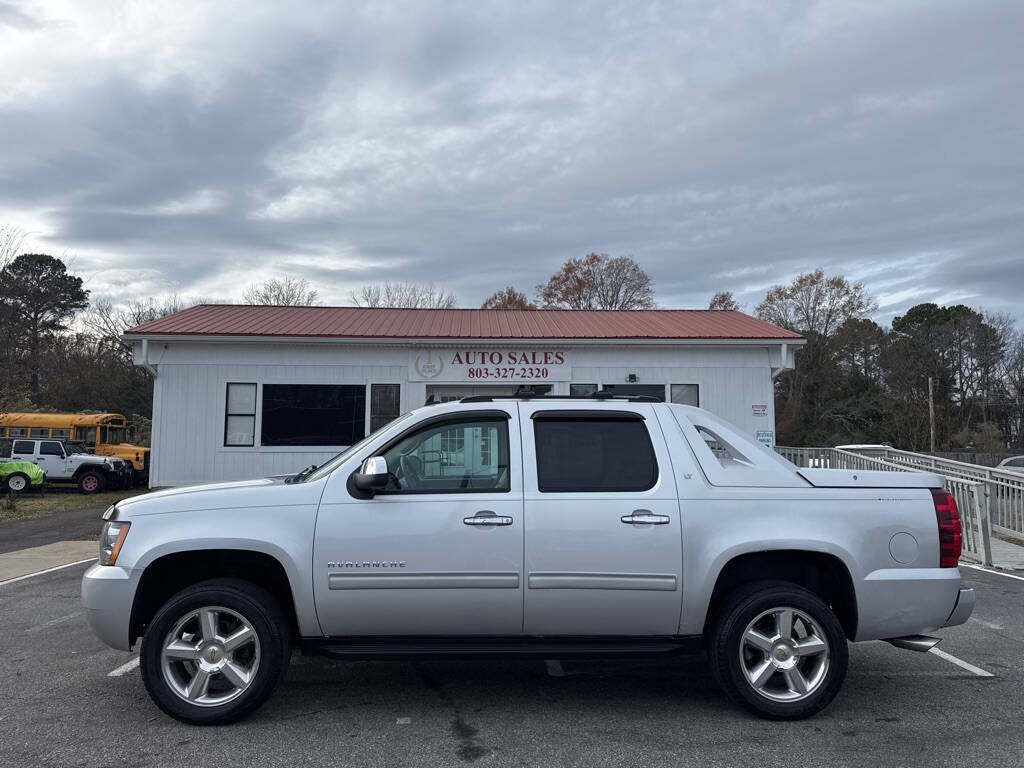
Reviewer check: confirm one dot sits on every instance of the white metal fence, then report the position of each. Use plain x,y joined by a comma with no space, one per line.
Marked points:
974,497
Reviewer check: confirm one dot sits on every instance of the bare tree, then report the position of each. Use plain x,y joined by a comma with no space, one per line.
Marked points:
508,298
404,296
723,300
11,241
283,292
107,322
813,303
598,281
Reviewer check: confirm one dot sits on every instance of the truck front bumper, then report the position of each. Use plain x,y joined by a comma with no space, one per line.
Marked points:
107,594
963,608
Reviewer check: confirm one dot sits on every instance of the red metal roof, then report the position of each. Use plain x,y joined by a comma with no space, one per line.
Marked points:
363,323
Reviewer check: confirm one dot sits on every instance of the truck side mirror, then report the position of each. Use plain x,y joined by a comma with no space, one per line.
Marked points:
372,476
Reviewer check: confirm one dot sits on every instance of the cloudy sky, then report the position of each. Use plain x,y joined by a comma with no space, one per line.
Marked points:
196,147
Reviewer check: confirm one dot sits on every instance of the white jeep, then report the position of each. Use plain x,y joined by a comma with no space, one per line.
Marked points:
89,472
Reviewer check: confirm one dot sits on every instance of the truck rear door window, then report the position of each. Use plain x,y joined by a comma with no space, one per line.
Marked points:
610,453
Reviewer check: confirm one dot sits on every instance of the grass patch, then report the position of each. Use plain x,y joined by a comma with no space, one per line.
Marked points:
25,505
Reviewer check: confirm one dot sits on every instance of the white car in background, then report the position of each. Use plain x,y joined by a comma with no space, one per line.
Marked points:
1012,464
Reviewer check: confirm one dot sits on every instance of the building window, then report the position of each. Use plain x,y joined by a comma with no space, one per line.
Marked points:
485,447
686,394
385,404
313,414
240,415
606,454
582,390
657,391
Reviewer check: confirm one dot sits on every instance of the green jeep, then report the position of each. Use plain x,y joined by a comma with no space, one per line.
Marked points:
20,476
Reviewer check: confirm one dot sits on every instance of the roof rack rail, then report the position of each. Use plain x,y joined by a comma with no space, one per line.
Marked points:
532,396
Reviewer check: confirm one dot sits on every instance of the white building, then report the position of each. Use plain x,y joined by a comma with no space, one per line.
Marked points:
244,391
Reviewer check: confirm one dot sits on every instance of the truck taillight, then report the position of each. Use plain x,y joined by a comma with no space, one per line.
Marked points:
950,538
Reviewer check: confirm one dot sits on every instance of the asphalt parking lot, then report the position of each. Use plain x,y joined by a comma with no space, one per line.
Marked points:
60,705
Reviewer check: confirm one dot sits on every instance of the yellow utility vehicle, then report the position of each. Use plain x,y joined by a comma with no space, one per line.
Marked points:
105,434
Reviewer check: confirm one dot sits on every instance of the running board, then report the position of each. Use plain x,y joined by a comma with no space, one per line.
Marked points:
920,643
487,647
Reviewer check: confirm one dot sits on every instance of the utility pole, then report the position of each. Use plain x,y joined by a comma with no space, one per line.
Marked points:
931,415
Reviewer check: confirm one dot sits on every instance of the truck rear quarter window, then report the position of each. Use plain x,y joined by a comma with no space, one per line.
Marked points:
608,453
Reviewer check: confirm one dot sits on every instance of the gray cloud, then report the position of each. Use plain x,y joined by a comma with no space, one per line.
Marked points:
481,144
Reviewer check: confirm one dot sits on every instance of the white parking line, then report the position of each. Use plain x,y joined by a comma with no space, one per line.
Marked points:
55,622
47,570
989,570
961,663
124,668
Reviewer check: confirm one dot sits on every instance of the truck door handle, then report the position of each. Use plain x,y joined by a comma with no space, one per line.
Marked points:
487,517
645,517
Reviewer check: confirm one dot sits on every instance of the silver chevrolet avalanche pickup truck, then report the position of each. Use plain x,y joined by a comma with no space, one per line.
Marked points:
543,527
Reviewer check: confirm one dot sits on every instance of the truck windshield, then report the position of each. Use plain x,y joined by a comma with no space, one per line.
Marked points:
328,466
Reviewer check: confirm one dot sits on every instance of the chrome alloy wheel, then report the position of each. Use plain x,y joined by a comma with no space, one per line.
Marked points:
211,656
784,654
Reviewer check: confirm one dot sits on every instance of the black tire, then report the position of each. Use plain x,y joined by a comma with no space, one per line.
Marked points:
726,649
128,479
15,478
91,481
264,615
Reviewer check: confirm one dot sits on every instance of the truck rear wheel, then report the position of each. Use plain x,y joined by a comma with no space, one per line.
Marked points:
215,652
91,482
778,650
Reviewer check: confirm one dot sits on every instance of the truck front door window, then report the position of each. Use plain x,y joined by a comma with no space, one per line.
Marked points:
461,456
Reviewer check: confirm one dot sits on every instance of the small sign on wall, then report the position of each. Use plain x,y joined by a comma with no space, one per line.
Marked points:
765,437
759,409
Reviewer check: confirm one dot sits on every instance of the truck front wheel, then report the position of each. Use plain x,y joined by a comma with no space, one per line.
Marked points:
778,650
215,652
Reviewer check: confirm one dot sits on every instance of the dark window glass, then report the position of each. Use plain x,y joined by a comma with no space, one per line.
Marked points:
24,446
60,433
385,404
533,389
313,414
459,455
17,432
240,415
50,448
593,454
39,432
582,390
656,391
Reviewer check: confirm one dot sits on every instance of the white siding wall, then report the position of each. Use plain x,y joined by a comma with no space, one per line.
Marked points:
189,392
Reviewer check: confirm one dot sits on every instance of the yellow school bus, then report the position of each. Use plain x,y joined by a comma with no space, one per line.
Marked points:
105,434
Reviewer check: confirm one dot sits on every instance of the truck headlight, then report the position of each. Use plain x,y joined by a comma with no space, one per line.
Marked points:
111,538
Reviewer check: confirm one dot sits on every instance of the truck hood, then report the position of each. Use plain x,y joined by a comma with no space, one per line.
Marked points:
241,494
869,478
